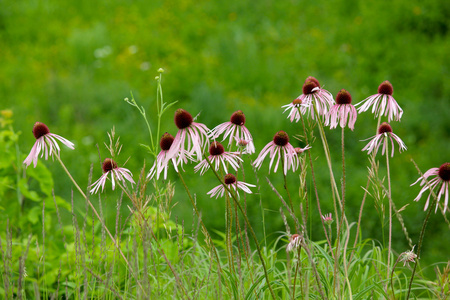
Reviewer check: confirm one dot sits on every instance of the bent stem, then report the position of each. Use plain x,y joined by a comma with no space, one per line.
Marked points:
101,221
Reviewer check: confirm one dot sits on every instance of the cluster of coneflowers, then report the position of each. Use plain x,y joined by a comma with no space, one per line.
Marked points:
193,138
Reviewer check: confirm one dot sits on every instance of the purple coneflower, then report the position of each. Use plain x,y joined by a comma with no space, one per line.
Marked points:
245,146
217,157
385,130
312,96
300,150
281,148
343,110
442,177
296,108
161,163
194,134
408,256
110,167
327,219
232,184
294,242
46,142
236,129
383,103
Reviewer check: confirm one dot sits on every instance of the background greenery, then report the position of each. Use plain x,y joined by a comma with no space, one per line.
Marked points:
70,64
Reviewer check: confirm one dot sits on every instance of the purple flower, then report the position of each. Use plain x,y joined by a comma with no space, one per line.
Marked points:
383,103
46,142
232,184
343,110
190,139
279,148
327,219
110,167
218,157
296,108
442,178
236,130
294,243
408,256
385,130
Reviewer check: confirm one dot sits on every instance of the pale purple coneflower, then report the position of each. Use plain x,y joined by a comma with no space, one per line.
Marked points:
296,108
162,164
218,156
382,103
343,111
279,148
190,138
231,182
245,146
408,256
327,219
300,150
385,130
45,142
314,95
294,242
235,129
110,167
442,178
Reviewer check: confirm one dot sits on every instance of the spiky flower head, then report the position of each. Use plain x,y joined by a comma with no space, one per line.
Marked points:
383,137
109,166
232,184
343,111
294,242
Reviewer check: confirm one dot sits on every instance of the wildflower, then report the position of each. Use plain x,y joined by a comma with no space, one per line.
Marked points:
407,256
46,142
190,132
300,150
217,157
232,184
296,108
110,167
245,146
327,219
162,164
312,98
236,129
281,148
343,110
383,103
385,130
294,243
442,178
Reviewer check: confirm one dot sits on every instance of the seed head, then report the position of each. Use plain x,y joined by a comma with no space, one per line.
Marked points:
230,179
444,172
238,118
308,86
313,79
343,97
166,141
281,138
385,88
182,118
108,165
297,101
40,129
384,127
216,148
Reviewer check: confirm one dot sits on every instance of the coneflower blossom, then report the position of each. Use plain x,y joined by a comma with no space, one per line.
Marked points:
314,96
232,184
110,167
245,146
162,164
300,150
385,130
218,157
46,142
195,135
296,108
294,242
407,256
382,103
236,130
442,178
342,111
279,148
327,219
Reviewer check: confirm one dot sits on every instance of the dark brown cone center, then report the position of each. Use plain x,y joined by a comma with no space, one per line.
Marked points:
183,119
384,127
238,118
313,79
297,102
386,88
216,148
166,141
40,129
230,179
281,138
444,172
108,165
343,97
308,87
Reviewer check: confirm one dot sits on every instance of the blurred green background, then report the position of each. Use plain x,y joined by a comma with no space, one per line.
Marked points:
70,64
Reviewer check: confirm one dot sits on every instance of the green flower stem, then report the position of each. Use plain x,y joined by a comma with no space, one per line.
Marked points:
249,227
390,207
100,219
